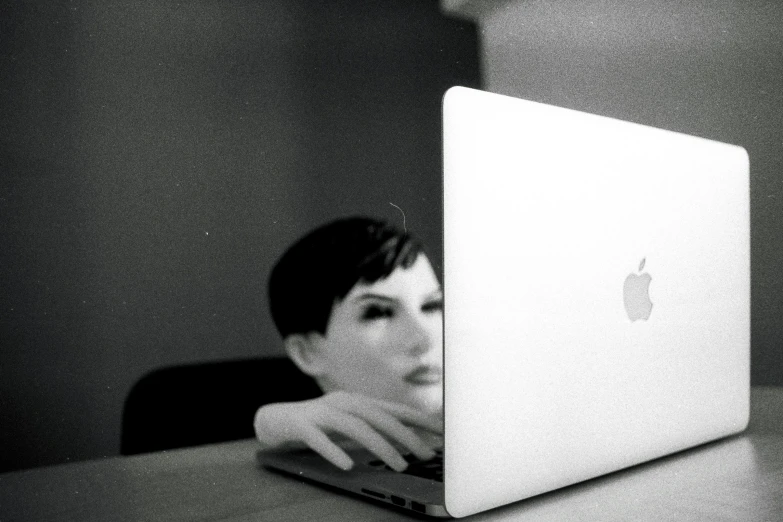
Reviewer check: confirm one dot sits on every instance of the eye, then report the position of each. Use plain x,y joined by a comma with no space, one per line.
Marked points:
372,312
433,305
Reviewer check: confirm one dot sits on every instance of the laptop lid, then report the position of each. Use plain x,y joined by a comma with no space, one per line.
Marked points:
597,281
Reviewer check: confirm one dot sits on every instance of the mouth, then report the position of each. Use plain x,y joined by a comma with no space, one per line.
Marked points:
425,375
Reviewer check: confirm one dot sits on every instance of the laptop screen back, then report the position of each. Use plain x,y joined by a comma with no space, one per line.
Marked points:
597,283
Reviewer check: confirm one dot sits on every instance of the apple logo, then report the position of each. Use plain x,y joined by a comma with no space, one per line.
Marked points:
636,295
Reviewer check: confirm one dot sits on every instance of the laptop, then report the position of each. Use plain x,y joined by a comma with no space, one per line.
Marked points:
597,315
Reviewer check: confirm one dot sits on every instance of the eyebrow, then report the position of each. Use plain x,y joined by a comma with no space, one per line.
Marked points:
435,294
370,295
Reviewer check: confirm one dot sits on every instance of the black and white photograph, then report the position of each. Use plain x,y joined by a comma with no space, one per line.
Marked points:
296,260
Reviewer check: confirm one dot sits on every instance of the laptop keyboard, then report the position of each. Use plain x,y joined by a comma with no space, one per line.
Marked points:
430,469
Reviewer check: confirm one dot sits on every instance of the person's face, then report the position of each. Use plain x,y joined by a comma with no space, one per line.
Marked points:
385,339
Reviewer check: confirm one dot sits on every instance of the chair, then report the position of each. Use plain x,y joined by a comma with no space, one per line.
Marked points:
198,404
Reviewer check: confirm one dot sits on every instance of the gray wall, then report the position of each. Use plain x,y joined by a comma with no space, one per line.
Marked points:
709,68
156,157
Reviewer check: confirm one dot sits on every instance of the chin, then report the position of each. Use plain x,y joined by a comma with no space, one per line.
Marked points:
428,400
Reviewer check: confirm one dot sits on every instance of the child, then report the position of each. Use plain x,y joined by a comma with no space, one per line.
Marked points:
360,310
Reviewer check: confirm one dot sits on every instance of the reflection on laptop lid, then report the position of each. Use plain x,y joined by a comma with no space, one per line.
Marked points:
597,281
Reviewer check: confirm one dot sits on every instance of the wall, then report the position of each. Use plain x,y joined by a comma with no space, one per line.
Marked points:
708,68
156,158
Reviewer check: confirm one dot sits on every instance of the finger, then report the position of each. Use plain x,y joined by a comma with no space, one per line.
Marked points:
360,431
433,440
392,428
403,412
413,416
321,444
408,439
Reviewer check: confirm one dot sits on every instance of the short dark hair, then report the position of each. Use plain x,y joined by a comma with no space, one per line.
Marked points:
322,267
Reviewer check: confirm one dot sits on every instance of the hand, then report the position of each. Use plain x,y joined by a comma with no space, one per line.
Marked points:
372,423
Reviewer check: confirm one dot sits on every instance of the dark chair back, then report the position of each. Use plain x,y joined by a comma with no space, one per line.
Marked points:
206,403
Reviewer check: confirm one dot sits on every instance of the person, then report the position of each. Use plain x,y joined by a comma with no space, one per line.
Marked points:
360,309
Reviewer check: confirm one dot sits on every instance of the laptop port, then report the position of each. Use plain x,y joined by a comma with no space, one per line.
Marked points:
373,493
418,506
399,501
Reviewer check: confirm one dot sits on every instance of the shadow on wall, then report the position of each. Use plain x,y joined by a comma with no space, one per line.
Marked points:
157,158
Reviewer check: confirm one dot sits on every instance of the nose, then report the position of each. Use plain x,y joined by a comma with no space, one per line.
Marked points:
424,333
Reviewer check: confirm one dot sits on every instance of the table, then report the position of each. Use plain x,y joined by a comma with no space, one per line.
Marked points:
740,478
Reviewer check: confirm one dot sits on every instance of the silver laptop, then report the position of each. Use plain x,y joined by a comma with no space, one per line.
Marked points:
597,284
